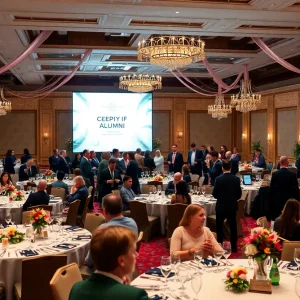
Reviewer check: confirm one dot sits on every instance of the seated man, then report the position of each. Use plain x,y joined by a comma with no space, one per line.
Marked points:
112,210
59,183
27,170
113,249
79,191
259,159
127,194
172,184
38,198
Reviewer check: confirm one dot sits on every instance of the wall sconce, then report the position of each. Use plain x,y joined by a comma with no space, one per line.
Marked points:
269,138
179,136
244,136
46,137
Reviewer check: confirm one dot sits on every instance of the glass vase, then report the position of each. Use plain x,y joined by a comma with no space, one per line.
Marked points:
261,269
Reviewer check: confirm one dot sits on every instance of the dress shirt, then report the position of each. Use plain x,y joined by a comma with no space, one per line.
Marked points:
193,158
173,157
112,276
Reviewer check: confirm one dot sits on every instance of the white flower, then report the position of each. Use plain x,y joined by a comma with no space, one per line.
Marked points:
232,274
243,276
258,230
250,250
14,195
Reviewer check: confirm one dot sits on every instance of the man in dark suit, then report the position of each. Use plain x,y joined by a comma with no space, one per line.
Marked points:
62,164
195,159
27,170
233,162
204,166
216,169
110,178
227,191
171,187
124,162
78,192
38,198
283,186
94,160
53,161
259,159
175,160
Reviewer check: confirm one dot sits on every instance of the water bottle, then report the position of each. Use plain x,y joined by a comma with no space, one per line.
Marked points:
274,273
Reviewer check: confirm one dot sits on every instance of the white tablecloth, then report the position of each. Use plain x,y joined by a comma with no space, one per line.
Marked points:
213,287
144,181
67,181
11,265
254,169
252,193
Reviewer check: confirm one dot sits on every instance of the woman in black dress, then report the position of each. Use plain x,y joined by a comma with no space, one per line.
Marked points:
9,164
26,155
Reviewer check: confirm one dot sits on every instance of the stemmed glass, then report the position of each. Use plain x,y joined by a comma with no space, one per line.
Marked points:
203,190
159,190
183,274
175,260
297,257
8,219
142,175
250,262
196,283
218,253
227,251
55,228
165,267
198,257
297,286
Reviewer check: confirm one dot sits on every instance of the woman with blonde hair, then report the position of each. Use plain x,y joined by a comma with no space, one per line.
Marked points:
192,235
159,161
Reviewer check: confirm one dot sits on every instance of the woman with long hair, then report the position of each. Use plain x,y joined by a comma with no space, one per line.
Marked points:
9,164
26,155
181,195
159,161
223,150
5,180
287,224
76,162
186,175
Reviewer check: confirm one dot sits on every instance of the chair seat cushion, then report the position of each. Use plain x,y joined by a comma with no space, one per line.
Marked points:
152,218
18,289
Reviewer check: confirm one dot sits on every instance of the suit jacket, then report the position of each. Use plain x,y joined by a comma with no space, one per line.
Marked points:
95,162
139,159
197,168
283,186
170,189
53,162
149,163
123,166
9,165
25,175
99,286
215,171
261,162
75,164
178,162
106,188
81,194
38,198
298,166
234,161
227,190
132,171
62,165
86,172
127,194
24,158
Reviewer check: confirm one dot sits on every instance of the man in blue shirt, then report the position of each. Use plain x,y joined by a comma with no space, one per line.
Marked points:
59,183
127,194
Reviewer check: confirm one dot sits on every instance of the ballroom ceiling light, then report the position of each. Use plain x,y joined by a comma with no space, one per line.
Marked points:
5,105
219,110
140,83
171,52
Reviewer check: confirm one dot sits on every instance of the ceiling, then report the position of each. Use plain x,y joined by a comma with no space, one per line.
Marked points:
113,28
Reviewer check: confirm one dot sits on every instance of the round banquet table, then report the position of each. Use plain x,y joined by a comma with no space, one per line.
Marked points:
11,261
252,193
14,208
254,169
69,182
159,207
213,286
144,181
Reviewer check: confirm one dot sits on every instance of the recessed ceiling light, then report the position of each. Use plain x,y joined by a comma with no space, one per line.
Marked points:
177,12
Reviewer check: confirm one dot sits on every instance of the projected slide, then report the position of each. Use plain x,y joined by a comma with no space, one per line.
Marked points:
103,121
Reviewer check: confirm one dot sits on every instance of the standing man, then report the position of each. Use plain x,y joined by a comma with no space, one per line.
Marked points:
124,162
116,156
94,160
62,163
140,160
227,191
53,160
195,159
175,160
233,163
216,169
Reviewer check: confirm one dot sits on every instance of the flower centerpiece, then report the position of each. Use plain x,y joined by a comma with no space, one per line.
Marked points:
20,196
10,190
158,178
157,143
237,280
262,244
12,234
48,174
39,218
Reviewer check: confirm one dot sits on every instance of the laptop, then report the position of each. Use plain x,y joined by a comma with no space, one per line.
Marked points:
247,179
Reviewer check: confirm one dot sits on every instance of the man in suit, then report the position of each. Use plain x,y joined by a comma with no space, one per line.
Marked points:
110,178
113,249
124,162
216,169
94,160
195,159
204,167
62,164
126,193
80,192
27,170
175,160
227,191
171,187
233,162
283,186
38,198
259,160
116,156
59,182
53,160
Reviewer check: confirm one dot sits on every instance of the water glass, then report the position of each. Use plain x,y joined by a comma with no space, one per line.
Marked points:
183,274
227,250
218,253
198,257
297,286
196,283
165,267
297,257
175,260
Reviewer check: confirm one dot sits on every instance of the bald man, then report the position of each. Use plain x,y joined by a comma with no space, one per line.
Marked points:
233,163
171,187
38,198
283,186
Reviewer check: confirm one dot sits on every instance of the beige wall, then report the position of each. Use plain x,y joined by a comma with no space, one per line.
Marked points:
64,128
258,130
161,128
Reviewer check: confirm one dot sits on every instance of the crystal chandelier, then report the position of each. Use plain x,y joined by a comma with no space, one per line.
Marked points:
246,100
140,83
5,105
219,110
171,52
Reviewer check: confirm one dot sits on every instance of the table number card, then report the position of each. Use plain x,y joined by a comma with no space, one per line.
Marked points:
260,286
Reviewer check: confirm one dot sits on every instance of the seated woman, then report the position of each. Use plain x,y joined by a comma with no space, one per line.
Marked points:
5,180
76,162
182,194
186,176
287,225
191,235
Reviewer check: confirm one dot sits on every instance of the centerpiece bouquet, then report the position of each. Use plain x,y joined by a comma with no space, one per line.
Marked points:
39,218
20,196
10,190
12,234
158,178
237,280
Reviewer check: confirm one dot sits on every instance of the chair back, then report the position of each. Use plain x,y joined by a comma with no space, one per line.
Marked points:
244,172
209,189
139,241
90,190
244,195
155,183
288,250
116,192
201,180
270,166
294,170
193,184
85,210
92,221
139,214
175,213
265,172
44,207
63,281
39,285
72,213
194,177
59,192
14,178
263,222
25,216
145,188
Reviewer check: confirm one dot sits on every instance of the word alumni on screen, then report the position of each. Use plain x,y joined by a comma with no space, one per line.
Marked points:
112,122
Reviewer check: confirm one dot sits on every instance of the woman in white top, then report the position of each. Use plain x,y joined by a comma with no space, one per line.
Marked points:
159,161
191,235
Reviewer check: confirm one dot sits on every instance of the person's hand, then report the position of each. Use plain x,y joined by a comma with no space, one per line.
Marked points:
117,180
207,246
126,280
169,162
195,163
110,181
94,168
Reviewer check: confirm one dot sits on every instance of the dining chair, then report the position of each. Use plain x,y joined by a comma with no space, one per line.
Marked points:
263,222
116,192
90,189
193,184
92,221
195,177
63,281
44,207
14,178
145,188
201,180
135,273
155,183
270,166
59,192
265,172
148,224
72,213
209,189
288,248
39,285
81,218
244,172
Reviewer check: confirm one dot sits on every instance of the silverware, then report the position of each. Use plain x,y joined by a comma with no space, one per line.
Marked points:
8,254
2,254
150,278
280,263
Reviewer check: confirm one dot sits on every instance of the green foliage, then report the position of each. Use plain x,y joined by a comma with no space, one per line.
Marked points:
296,150
69,144
257,145
157,143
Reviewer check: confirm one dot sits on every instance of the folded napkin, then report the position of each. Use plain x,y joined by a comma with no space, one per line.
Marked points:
65,246
208,262
73,228
28,253
291,266
157,297
82,237
157,272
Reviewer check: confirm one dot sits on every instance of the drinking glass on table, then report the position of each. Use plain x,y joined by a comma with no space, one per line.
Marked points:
198,257
8,219
165,267
142,175
196,283
175,260
227,251
297,286
297,257
203,190
183,274
218,253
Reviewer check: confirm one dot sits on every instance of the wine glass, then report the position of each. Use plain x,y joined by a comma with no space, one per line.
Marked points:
250,262
142,175
183,274
227,251
297,257
165,267
203,190
8,219
297,286
198,257
218,253
196,283
159,190
175,260
55,228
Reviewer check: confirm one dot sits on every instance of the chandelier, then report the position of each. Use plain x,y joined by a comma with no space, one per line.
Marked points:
140,83
246,100
5,105
171,52
219,110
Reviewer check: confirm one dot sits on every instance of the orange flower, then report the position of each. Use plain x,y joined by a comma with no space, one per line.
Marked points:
267,251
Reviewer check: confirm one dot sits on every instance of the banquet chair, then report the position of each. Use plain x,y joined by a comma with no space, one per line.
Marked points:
145,189
265,172
270,166
288,250
155,183
48,188
72,213
38,287
148,224
92,221
90,190
63,281
195,177
201,180
14,178
263,222
44,207
59,192
135,273
244,172
209,189
116,192
193,184
81,218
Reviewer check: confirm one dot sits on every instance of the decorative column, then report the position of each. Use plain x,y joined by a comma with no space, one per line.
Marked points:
271,132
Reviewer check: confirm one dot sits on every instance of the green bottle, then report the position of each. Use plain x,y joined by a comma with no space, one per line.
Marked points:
274,273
